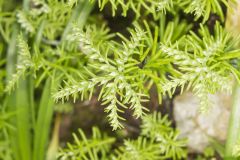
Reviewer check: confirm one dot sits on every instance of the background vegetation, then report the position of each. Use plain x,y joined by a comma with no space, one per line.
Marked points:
111,68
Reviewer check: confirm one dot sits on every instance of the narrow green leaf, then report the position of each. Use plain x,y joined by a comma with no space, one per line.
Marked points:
43,123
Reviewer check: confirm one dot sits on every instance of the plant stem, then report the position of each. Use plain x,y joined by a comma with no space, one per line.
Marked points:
234,122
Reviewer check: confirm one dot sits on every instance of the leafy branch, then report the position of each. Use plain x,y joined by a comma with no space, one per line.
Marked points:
162,143
84,148
199,60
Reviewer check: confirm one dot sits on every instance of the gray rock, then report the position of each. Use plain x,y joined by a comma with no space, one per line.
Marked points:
198,127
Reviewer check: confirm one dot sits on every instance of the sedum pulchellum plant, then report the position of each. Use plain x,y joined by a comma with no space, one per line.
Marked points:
123,78
135,62
63,53
99,145
206,63
111,75
158,140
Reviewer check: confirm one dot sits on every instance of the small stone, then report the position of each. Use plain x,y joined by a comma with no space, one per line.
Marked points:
199,127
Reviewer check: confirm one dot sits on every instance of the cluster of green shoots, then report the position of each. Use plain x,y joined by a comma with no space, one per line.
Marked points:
158,140
59,46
